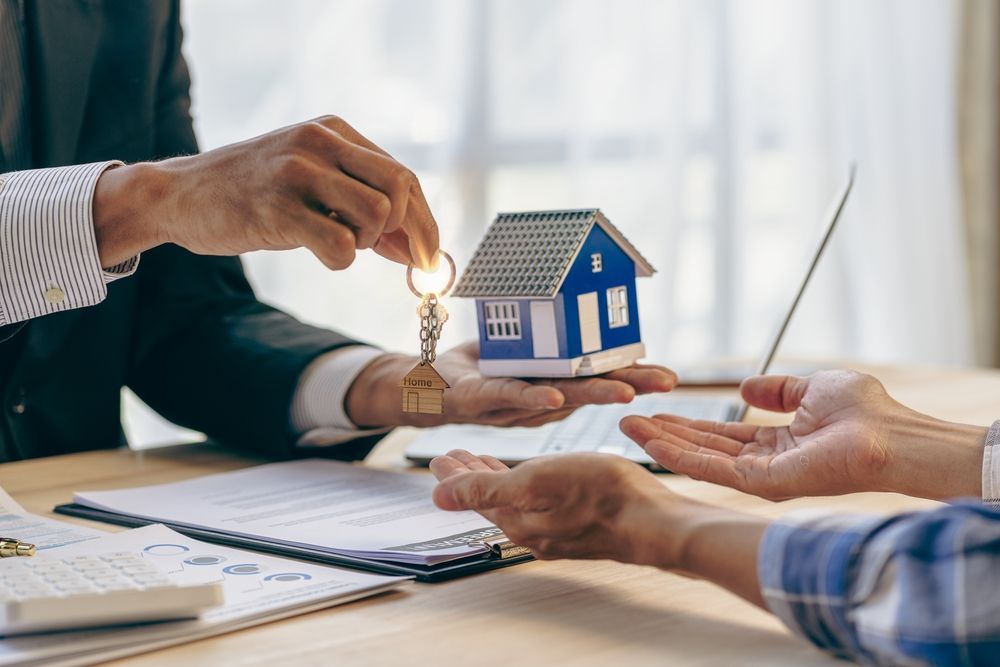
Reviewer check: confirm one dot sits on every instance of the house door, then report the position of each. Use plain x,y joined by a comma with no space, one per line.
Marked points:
543,330
590,323
412,401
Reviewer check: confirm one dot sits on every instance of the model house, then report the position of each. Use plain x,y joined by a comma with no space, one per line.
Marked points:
555,295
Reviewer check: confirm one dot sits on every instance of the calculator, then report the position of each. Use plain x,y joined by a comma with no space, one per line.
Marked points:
43,593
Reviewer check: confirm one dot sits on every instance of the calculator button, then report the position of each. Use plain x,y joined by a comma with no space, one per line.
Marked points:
151,581
116,556
69,589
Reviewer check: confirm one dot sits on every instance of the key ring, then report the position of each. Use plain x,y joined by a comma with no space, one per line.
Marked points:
451,279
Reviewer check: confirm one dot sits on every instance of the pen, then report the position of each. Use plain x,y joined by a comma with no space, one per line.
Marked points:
10,547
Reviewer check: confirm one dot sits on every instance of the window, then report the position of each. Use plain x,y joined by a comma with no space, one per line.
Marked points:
503,320
491,104
618,307
596,263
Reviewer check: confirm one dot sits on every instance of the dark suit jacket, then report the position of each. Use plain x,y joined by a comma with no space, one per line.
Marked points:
186,332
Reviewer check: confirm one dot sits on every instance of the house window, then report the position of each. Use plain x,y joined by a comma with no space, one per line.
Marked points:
596,263
503,320
618,307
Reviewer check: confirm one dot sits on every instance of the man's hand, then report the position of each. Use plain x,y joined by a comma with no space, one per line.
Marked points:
600,506
570,506
374,398
848,435
318,184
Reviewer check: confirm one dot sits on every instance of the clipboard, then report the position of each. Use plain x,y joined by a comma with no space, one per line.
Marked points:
501,553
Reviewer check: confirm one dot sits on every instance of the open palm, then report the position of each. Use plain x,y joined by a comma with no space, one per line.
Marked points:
837,442
505,401
373,399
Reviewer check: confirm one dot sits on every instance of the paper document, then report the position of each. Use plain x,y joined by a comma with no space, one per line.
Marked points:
257,589
41,531
322,505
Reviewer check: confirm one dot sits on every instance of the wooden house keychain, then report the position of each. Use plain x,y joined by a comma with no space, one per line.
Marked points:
423,387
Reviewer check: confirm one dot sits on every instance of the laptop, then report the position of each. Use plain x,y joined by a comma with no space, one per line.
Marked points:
594,428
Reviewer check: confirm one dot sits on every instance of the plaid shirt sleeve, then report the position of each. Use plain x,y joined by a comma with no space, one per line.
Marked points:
914,589
991,466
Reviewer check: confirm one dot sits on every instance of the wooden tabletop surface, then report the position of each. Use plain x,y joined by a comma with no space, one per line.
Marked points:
552,613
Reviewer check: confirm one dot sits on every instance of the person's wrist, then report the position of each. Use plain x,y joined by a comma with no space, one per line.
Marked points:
934,459
126,201
373,399
655,528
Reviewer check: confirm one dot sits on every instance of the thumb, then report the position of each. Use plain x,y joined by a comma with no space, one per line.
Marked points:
775,393
422,232
394,246
475,491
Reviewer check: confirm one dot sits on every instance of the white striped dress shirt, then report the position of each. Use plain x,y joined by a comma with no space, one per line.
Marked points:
48,254
49,263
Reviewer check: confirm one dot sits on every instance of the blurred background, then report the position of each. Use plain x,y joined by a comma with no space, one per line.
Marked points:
713,133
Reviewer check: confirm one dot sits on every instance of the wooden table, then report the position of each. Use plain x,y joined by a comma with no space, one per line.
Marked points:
553,613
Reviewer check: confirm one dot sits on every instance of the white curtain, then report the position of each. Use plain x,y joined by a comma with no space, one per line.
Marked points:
713,133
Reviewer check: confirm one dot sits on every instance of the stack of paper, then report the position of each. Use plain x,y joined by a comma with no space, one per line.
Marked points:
316,506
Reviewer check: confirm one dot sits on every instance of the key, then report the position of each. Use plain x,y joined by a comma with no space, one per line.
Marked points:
423,387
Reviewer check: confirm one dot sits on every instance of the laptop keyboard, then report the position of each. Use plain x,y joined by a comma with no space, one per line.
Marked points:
595,428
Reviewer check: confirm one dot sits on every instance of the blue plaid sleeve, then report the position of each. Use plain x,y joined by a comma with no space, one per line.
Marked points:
914,589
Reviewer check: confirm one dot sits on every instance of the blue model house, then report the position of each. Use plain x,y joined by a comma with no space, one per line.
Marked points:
555,295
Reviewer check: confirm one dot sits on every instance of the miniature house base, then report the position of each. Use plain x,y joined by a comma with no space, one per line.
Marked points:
595,363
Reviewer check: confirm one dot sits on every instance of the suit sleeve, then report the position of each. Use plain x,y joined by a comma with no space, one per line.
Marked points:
206,353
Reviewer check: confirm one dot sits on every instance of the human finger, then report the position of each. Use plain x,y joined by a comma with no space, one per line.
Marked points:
333,244
643,429
362,208
480,491
645,379
445,466
776,393
700,465
590,391
509,393
394,246
470,460
735,430
417,219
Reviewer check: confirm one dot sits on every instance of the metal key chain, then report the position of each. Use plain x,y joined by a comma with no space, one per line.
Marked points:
423,387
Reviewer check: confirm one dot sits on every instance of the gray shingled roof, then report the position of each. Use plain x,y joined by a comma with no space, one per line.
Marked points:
529,254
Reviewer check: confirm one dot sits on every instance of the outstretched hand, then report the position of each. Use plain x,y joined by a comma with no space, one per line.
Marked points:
847,435
601,506
373,399
567,506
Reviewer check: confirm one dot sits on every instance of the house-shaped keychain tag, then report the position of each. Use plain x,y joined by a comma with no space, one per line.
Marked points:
555,295
423,390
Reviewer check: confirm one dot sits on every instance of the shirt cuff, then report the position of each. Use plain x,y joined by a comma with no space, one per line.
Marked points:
48,252
991,466
803,567
318,412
